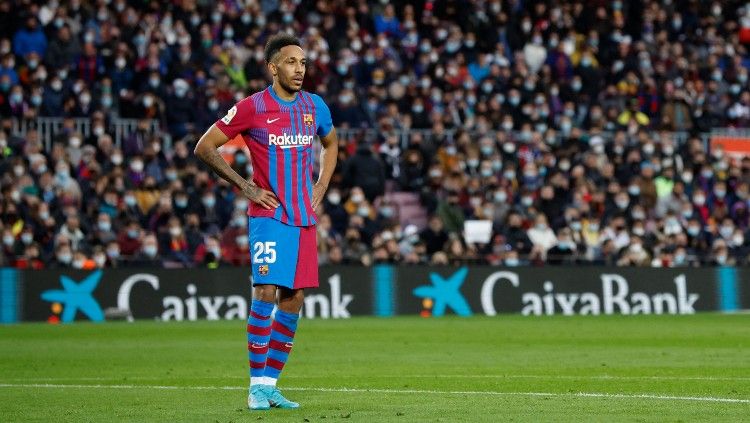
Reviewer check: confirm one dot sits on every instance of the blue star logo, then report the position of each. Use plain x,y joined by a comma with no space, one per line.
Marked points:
77,296
445,293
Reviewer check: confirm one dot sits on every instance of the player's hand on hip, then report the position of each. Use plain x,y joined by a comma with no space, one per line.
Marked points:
319,191
258,195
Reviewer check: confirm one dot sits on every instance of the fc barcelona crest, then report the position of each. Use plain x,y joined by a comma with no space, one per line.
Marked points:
263,270
307,118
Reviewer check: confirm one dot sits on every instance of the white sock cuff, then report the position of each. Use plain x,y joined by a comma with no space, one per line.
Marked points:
262,380
269,381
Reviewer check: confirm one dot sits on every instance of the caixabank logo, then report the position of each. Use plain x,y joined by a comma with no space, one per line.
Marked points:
444,293
75,296
535,292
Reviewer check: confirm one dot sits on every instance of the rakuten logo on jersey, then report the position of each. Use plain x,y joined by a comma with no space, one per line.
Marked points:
290,141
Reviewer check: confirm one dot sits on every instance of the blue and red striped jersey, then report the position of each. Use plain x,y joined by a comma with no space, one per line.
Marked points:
279,135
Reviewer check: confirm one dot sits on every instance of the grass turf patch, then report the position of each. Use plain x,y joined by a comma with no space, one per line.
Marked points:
505,368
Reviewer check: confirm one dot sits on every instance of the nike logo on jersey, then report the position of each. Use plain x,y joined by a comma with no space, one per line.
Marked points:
272,120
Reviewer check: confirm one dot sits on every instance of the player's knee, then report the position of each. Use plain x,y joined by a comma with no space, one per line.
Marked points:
265,293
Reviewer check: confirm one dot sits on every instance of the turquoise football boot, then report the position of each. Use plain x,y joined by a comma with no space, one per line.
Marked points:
276,399
258,400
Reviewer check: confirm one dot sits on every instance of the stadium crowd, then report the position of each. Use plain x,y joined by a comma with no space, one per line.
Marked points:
562,118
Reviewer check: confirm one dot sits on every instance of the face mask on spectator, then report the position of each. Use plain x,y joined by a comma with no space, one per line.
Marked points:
113,253
726,231
104,226
209,202
150,250
62,172
622,204
239,221
511,262
56,85
27,238
387,211
181,202
720,193
100,259
175,231
130,201
8,240
64,258
500,196
527,201
85,99
363,211
136,166
575,225
335,198
242,241
699,200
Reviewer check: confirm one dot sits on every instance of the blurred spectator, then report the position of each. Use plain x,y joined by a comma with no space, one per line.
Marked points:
148,255
364,170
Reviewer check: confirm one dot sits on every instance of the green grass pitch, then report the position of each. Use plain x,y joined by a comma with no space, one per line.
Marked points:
405,369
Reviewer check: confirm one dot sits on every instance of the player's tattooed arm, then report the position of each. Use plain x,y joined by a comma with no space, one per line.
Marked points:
207,150
328,155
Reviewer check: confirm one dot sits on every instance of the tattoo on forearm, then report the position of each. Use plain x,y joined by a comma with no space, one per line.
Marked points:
213,159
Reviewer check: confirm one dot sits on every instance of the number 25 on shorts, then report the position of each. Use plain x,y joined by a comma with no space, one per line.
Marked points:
264,252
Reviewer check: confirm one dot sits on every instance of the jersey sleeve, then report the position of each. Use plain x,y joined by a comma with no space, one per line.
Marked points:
323,116
238,118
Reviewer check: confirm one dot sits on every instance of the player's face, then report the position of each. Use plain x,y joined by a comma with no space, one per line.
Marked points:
289,68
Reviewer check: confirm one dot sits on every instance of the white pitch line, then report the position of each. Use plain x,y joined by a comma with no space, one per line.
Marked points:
393,391
593,377
402,376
